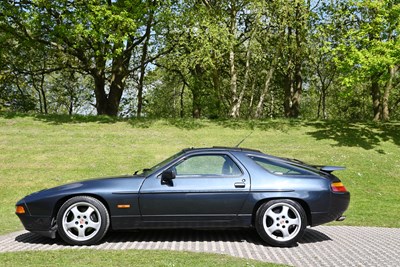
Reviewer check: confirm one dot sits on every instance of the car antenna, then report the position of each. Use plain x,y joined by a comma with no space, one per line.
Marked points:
244,139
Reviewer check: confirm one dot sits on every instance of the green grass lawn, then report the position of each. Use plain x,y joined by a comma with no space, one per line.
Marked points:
44,151
122,258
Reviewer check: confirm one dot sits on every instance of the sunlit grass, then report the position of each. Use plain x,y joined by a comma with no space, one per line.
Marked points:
39,152
122,258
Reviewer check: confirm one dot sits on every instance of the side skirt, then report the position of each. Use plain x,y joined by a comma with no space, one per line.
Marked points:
171,222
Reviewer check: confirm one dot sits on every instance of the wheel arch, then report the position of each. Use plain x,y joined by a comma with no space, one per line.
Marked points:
62,200
303,204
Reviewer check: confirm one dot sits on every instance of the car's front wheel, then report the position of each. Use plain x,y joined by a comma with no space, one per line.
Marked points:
82,220
281,222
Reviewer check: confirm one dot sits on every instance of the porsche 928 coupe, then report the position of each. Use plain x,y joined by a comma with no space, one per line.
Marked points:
199,188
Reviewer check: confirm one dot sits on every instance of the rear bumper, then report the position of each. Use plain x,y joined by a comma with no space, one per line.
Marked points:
339,204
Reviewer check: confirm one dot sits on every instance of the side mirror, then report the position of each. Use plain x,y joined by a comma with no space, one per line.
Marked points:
167,176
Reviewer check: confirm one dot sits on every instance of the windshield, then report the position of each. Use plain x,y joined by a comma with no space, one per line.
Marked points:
148,171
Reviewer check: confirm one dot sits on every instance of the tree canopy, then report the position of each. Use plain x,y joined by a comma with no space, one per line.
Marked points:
202,58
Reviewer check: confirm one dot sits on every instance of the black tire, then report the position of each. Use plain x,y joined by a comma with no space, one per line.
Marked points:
82,220
281,222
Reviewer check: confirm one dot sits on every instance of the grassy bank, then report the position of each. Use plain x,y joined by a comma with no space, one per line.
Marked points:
43,151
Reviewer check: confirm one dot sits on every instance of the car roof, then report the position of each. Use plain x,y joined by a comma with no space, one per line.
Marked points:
219,148
249,151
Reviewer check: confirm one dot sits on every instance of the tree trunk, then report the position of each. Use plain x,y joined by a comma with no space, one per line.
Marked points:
324,113
182,108
293,91
109,104
272,105
43,94
388,88
233,83
217,89
298,89
143,64
196,106
235,111
288,85
260,105
233,73
100,94
196,89
294,79
116,89
298,61
250,108
71,105
325,84
40,102
319,106
376,99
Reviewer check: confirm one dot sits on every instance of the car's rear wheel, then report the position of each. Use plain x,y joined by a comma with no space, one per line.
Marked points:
281,222
82,220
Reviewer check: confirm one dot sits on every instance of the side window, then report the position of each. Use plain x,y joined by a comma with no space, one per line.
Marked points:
278,168
208,165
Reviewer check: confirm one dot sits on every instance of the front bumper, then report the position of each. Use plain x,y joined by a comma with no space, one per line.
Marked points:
43,225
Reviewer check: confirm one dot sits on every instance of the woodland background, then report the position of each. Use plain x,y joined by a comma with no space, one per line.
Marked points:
312,59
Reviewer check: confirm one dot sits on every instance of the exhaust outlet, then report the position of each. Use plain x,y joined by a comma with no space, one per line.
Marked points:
341,218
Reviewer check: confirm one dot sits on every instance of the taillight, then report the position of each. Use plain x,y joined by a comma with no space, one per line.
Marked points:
338,187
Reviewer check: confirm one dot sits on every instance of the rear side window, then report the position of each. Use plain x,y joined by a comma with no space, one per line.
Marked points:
279,168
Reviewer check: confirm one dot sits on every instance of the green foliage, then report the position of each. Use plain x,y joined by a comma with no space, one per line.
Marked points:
369,51
372,44
171,99
14,101
234,58
98,39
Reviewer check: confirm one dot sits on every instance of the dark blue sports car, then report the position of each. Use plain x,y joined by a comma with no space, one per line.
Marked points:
196,188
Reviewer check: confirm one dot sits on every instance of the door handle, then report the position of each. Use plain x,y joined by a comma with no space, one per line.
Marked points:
240,185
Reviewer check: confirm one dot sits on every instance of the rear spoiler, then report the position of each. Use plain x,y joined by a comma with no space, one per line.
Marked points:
323,168
330,169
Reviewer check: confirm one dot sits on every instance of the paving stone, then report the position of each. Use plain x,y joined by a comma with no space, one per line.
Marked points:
320,246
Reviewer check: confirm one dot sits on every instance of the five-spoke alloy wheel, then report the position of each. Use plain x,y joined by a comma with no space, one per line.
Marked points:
82,220
281,222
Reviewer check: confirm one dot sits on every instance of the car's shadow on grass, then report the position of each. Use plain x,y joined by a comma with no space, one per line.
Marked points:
149,237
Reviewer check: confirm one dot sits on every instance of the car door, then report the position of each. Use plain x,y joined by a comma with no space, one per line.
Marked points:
209,188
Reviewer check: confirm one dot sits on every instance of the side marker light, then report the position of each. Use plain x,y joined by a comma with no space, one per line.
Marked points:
123,206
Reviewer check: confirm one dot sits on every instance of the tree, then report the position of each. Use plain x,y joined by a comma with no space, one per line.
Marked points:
93,37
200,40
370,50
323,70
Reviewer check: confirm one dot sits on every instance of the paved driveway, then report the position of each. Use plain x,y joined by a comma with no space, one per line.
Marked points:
320,246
